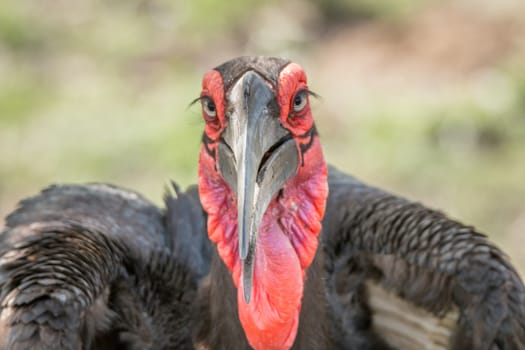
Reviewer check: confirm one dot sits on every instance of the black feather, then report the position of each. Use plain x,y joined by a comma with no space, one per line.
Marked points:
91,267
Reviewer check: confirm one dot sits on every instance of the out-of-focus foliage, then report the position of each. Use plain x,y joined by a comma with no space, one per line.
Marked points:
423,97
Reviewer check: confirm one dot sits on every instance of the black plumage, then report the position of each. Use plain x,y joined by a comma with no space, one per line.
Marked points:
426,258
98,267
91,267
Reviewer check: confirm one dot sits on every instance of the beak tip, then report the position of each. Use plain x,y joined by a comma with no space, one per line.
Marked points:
247,277
247,294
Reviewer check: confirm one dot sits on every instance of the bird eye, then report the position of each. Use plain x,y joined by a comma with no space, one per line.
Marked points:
209,107
299,101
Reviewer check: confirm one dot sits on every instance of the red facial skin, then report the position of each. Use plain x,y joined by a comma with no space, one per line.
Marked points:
288,235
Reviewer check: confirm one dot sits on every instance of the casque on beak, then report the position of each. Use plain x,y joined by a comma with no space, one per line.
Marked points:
257,155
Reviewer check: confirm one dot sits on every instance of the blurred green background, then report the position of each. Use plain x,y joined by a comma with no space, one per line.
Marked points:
424,98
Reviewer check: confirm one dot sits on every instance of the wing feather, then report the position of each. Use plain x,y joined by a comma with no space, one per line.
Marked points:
92,267
426,259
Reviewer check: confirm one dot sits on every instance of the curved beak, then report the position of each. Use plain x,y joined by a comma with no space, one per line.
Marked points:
256,157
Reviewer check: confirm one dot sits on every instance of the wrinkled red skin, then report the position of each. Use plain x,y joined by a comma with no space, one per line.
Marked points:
288,235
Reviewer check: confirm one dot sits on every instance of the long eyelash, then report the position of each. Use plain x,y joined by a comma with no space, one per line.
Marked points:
313,94
200,98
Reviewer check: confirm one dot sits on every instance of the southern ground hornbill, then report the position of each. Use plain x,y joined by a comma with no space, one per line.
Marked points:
303,256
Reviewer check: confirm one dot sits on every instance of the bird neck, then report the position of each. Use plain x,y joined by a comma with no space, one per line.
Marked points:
286,245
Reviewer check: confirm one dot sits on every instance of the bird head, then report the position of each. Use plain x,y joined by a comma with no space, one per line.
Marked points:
263,183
